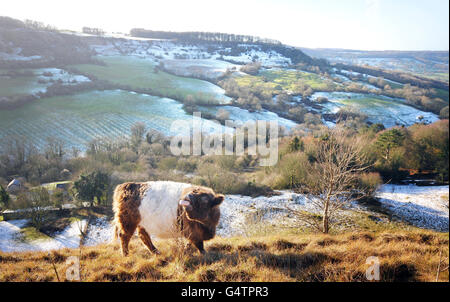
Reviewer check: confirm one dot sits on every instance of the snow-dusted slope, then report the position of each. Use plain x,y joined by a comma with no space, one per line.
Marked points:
99,231
168,50
420,206
267,59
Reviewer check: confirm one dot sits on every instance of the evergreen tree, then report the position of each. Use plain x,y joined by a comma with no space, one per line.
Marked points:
92,187
389,140
4,198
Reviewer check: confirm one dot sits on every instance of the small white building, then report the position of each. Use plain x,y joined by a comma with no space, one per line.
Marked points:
14,186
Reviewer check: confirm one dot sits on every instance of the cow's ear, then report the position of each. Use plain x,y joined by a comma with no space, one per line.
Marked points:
217,200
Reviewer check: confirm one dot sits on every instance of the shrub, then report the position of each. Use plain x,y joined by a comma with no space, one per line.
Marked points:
322,100
35,201
350,112
168,163
244,161
251,68
92,187
231,163
186,165
443,114
57,198
293,171
226,182
369,183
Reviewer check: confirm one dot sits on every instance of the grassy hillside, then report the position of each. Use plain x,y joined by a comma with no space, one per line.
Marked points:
404,256
52,47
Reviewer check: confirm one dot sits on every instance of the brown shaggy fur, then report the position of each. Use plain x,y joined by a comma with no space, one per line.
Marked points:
198,230
127,199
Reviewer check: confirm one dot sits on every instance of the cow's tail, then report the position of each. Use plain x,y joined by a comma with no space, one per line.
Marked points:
116,232
118,199
126,197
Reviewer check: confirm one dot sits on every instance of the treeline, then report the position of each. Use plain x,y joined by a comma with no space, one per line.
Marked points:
93,31
391,154
196,36
396,76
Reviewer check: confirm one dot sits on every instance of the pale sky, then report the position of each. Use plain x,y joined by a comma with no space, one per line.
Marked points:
351,24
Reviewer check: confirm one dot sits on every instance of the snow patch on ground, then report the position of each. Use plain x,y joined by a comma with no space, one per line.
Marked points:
9,230
10,237
99,231
421,206
238,212
56,74
210,69
270,58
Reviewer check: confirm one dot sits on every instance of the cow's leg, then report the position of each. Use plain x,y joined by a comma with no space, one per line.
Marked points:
125,235
145,238
199,245
124,241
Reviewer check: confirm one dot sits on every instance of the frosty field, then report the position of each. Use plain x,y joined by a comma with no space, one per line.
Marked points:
79,118
140,74
379,109
206,68
35,80
240,116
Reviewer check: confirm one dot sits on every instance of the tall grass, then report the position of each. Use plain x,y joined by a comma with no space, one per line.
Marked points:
403,256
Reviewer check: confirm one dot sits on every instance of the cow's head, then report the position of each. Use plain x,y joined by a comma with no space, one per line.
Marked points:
202,205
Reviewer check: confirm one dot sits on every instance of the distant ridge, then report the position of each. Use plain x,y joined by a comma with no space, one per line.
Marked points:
195,36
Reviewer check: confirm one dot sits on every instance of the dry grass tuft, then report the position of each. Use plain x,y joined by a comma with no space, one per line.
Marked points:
252,246
404,256
282,245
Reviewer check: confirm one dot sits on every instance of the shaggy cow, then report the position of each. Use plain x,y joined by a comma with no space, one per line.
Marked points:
166,210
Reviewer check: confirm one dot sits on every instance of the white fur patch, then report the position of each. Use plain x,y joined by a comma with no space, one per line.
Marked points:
158,208
184,203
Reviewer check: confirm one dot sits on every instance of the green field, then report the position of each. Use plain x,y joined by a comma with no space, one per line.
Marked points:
140,74
21,85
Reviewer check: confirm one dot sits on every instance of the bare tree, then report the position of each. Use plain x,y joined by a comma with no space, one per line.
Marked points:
333,177
137,135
